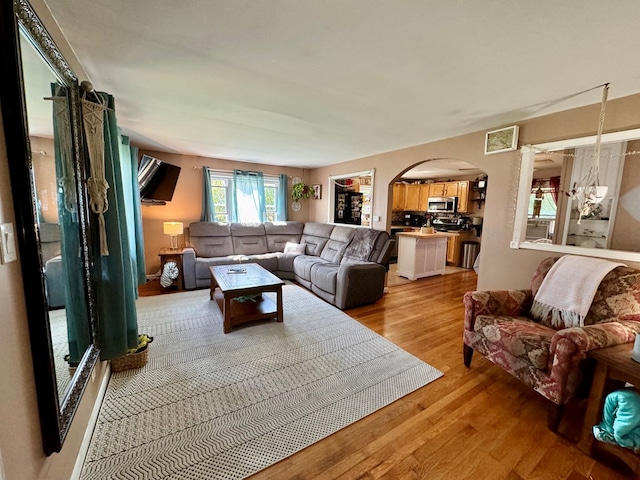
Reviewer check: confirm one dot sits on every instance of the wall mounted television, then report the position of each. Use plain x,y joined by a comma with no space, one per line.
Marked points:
157,180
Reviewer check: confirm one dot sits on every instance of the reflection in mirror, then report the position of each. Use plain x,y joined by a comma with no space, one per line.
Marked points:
43,142
548,217
56,203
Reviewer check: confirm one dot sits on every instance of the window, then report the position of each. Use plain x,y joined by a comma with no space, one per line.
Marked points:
548,206
221,190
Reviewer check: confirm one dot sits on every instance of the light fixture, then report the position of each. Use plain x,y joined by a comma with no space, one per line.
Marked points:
588,191
173,229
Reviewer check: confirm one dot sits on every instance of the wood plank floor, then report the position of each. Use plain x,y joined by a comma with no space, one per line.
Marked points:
477,423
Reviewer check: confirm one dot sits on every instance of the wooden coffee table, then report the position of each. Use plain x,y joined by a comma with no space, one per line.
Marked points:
229,282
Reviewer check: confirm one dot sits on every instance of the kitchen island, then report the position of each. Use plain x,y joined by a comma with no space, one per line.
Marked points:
422,254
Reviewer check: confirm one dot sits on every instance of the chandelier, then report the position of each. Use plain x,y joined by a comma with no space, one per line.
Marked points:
588,192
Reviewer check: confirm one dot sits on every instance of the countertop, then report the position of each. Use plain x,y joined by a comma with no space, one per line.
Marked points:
417,234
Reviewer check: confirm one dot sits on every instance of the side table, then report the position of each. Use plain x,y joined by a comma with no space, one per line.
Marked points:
170,255
614,367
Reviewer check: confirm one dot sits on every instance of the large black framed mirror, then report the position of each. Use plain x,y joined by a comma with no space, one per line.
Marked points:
41,116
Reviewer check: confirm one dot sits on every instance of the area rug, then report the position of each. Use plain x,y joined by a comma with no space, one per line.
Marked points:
214,406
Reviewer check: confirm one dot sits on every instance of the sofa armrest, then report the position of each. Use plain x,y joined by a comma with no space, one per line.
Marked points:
359,283
512,303
189,268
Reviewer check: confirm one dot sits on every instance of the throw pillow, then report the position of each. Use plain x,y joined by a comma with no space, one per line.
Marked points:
298,248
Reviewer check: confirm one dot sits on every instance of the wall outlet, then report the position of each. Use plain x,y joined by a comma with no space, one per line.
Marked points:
8,243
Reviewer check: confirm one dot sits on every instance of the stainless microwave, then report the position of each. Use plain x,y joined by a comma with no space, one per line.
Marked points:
442,204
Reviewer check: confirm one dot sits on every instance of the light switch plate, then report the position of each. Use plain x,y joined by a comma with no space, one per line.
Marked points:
8,243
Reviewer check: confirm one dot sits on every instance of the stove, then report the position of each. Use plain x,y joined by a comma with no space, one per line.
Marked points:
448,224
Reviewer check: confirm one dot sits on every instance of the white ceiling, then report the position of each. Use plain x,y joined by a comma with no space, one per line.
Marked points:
314,82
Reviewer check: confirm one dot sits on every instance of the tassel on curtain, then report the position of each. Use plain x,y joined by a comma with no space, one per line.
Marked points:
62,120
97,185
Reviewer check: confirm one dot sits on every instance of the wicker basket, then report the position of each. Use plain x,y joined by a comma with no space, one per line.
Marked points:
130,361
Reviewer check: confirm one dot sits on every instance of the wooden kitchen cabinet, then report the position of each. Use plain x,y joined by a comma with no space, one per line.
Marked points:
463,197
398,196
443,189
436,189
425,190
454,247
451,189
412,197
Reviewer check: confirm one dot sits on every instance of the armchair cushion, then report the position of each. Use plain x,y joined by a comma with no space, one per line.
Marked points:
522,338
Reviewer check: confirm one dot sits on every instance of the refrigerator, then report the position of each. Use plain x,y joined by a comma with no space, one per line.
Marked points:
348,208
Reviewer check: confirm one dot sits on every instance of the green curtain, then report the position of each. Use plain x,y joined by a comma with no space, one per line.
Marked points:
281,201
75,297
116,289
208,208
248,197
129,161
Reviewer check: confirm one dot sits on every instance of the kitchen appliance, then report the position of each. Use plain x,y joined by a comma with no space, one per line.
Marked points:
442,204
413,220
448,224
348,208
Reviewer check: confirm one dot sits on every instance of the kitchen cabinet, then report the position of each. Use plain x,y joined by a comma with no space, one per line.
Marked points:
421,255
436,189
424,196
412,197
454,247
398,196
463,197
443,189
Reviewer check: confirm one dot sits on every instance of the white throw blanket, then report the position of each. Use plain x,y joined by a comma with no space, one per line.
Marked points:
568,289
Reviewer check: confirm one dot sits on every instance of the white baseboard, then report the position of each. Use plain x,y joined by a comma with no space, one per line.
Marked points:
93,419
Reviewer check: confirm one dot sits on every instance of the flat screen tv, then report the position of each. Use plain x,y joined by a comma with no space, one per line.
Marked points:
157,180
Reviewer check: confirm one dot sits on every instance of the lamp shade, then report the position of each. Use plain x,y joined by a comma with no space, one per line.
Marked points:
172,228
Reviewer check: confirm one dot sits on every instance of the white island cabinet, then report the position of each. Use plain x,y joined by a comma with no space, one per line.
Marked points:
421,255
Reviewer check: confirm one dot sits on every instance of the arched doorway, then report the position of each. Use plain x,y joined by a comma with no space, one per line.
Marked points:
447,194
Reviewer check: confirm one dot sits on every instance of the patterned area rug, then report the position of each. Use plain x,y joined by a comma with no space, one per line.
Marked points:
214,406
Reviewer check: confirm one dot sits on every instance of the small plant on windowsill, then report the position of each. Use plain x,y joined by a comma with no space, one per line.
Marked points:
301,191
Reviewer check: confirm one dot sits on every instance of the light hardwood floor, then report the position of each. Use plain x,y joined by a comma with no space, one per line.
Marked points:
477,423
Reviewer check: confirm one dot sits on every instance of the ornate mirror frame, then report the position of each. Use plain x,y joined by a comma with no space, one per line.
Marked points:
56,414
524,191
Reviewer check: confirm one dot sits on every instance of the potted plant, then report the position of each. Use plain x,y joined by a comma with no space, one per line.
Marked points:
301,191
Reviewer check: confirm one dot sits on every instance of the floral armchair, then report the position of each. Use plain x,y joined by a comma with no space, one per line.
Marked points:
498,325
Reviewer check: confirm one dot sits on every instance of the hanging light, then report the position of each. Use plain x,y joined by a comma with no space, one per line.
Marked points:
588,191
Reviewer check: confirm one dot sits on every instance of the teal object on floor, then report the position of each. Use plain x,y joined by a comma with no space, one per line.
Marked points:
620,419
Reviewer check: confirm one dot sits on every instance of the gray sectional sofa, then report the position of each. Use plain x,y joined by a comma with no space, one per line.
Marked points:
345,266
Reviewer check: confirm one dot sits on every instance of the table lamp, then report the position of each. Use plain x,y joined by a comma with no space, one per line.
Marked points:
173,229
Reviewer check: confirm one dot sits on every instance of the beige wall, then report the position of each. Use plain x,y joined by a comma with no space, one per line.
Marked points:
500,266
186,205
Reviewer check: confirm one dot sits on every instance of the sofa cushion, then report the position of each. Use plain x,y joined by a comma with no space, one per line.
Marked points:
324,276
302,265
279,233
248,239
203,263
298,248
316,235
519,336
361,246
211,239
337,244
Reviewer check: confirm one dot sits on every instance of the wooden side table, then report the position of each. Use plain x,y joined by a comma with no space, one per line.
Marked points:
614,367
169,255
